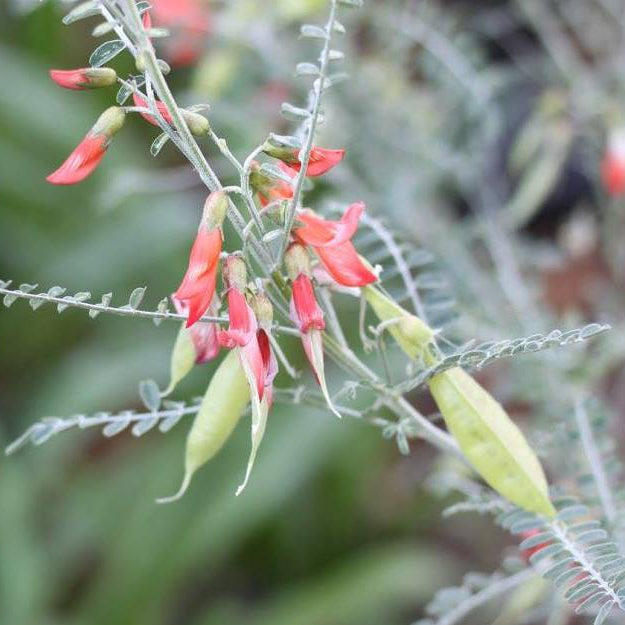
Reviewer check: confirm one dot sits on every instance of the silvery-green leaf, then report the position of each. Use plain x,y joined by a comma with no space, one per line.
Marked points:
294,113
285,141
81,11
306,69
143,426
150,394
105,52
135,297
315,32
158,143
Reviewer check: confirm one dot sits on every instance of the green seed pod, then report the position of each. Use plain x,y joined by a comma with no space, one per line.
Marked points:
489,439
183,357
224,402
198,124
411,334
491,442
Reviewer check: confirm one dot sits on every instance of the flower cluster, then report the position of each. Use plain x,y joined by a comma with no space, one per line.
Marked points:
250,312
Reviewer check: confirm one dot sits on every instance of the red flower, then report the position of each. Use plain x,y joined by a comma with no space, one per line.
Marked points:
320,162
198,285
242,321
305,310
331,242
280,190
84,78
307,315
203,334
189,22
90,151
613,174
613,163
161,107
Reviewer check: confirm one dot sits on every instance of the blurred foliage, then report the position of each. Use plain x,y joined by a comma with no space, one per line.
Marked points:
440,120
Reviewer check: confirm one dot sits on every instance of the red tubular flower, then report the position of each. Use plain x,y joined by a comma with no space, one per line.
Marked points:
91,150
305,310
161,107
198,285
84,77
331,242
242,326
321,161
307,315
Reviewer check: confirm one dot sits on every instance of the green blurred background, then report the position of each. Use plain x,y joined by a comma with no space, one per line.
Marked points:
334,529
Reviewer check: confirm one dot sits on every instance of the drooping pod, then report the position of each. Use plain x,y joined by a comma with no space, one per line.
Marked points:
223,404
193,346
492,443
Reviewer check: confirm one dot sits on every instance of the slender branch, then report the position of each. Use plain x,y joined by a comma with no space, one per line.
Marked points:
124,311
498,588
595,462
304,154
210,179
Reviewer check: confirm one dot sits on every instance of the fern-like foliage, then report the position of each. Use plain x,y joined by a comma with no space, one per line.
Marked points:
111,424
411,278
476,357
451,605
573,550
56,295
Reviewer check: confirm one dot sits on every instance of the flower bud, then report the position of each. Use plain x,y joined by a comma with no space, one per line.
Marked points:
198,124
110,122
263,309
84,78
235,273
215,209
297,261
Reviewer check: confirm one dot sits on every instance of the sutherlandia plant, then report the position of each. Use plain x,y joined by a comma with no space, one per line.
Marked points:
281,271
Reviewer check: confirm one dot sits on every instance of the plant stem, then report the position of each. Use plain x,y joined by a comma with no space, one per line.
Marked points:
304,154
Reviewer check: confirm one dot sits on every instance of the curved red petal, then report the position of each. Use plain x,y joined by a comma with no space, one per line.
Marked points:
321,161
344,265
320,232
81,162
242,327
69,78
203,259
252,354
200,301
162,109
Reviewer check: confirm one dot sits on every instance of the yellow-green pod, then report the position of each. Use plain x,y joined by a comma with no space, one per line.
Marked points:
183,358
224,402
411,334
489,439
